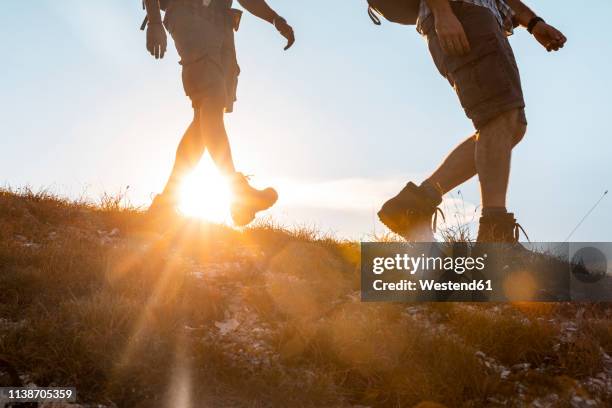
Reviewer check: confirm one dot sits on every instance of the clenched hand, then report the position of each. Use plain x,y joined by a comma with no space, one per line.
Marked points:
547,35
157,42
451,34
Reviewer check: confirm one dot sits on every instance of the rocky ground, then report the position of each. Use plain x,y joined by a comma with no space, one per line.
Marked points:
198,315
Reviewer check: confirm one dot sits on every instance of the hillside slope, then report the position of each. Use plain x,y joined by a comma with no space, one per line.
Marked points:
203,315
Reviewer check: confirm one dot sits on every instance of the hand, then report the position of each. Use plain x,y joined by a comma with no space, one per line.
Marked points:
285,30
451,34
547,35
157,42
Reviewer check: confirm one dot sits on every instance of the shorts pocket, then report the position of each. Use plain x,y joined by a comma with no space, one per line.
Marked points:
203,77
195,33
481,75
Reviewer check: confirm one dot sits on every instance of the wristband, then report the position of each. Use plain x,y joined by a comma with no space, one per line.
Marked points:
533,22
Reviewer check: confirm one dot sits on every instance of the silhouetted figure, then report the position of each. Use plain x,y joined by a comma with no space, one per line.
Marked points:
203,32
468,42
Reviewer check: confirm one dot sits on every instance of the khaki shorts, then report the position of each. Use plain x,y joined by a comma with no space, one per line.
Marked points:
204,39
487,79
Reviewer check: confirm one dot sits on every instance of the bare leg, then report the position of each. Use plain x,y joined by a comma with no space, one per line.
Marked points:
212,129
461,164
189,152
493,154
246,200
207,131
458,167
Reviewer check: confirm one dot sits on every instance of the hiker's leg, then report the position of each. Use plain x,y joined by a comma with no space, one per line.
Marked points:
460,165
487,82
213,133
494,145
207,131
189,152
246,200
457,168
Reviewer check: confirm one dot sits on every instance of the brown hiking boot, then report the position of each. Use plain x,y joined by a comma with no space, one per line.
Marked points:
162,213
163,206
248,201
409,214
501,228
163,210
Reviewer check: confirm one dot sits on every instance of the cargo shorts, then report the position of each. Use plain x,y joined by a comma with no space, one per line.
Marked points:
487,79
204,39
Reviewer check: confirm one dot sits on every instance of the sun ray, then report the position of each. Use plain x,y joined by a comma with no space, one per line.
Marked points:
205,194
179,237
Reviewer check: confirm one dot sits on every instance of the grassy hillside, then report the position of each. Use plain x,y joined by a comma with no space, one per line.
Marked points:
203,315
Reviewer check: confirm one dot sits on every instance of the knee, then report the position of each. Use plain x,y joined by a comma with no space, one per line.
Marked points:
210,117
508,128
518,128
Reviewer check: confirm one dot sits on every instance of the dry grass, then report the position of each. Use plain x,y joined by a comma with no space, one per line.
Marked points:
93,297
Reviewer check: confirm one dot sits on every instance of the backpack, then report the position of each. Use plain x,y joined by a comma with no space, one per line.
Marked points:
163,5
396,11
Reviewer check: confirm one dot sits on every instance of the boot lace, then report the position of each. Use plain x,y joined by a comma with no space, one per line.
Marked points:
244,177
434,225
517,229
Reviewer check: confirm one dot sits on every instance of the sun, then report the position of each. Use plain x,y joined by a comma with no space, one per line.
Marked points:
205,194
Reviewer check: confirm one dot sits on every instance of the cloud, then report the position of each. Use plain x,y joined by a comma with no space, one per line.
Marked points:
348,206
362,194
350,194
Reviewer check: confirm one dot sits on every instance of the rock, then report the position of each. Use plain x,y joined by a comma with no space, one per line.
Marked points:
227,326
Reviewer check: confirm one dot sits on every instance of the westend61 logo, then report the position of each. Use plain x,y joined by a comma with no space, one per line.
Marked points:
411,264
441,272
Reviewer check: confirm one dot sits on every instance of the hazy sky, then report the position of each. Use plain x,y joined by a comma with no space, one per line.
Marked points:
339,122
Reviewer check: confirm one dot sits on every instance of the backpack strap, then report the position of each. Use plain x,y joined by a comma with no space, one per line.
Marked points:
144,23
373,16
146,19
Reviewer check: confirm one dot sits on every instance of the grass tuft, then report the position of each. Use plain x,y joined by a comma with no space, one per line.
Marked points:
91,296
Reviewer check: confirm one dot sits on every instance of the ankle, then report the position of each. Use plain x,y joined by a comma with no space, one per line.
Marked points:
169,195
432,191
237,177
493,211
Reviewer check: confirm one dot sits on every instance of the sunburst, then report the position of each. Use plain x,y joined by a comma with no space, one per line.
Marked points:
205,194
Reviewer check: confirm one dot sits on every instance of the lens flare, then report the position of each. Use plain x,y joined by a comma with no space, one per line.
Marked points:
205,194
520,286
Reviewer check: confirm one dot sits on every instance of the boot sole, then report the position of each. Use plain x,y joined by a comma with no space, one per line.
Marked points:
410,236
243,215
386,220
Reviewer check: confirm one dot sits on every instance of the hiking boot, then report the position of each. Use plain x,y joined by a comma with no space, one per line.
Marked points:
248,201
499,228
163,206
409,214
